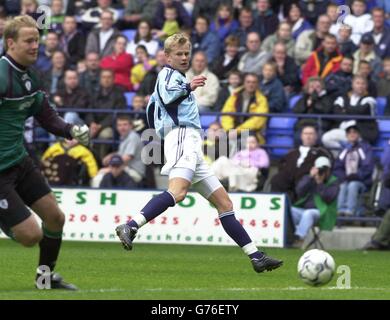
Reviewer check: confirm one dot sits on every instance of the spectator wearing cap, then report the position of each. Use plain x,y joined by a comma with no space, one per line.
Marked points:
117,177
353,167
323,61
355,102
367,53
309,40
360,21
380,33
317,200
130,149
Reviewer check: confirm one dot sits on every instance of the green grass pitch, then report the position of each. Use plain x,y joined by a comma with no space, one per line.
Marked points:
106,271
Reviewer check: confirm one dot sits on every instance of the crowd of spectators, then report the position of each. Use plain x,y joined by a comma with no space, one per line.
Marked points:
256,54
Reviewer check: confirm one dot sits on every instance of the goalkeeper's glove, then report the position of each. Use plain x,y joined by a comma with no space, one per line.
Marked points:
81,134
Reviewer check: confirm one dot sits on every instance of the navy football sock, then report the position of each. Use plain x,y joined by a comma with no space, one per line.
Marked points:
236,231
157,205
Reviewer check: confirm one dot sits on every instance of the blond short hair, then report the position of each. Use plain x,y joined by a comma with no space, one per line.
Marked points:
178,39
12,27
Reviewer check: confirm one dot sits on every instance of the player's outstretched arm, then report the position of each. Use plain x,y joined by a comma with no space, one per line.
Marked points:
53,123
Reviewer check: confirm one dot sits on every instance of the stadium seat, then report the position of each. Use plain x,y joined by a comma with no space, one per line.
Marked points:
206,120
129,98
384,128
381,105
381,143
293,101
121,13
281,126
287,142
129,34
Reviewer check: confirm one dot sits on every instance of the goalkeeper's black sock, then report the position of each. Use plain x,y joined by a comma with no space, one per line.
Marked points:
49,248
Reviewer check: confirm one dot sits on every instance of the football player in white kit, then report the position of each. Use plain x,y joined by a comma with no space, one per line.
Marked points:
173,112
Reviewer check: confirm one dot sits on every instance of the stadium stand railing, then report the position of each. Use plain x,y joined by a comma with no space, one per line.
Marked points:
279,136
279,132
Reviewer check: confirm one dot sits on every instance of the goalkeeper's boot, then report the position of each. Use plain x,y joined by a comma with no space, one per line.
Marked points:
126,235
265,263
55,282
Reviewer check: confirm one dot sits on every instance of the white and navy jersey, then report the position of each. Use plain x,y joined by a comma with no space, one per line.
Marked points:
172,103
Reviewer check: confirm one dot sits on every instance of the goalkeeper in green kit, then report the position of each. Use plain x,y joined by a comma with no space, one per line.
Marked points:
21,183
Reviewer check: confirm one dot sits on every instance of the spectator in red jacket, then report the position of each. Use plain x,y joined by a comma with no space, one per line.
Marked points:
120,62
323,61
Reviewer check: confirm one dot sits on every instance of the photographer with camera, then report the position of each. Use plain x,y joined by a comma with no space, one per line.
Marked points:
317,200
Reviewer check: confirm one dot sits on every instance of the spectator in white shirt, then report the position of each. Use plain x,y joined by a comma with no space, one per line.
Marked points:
360,21
207,95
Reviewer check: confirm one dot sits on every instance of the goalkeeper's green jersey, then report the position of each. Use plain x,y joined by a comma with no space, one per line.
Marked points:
21,97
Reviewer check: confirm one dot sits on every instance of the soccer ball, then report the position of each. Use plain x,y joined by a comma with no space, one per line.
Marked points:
316,267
